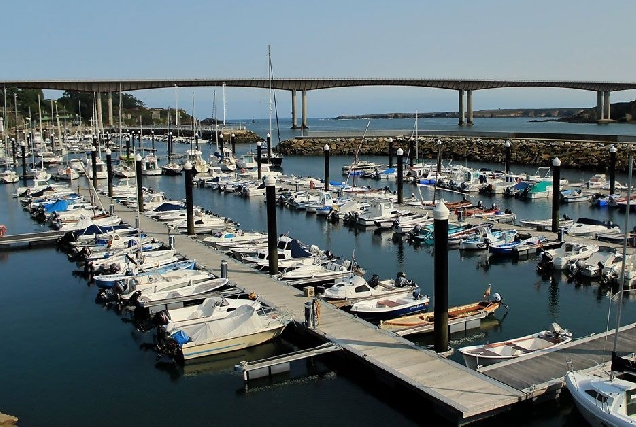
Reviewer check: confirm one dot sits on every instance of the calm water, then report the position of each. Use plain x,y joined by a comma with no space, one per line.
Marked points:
69,362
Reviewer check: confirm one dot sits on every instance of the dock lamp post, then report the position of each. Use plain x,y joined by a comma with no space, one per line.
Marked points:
233,143
612,173
400,154
221,144
326,151
259,147
440,230
152,135
272,233
556,193
140,190
508,156
390,152
189,202
269,146
24,174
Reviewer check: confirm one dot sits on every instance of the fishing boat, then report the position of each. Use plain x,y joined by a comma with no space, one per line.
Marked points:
390,306
244,327
476,356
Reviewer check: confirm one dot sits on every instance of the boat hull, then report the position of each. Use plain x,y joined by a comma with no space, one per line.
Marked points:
191,351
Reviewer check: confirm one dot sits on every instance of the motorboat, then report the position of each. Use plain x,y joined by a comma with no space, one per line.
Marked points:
355,286
569,252
589,227
150,166
390,306
244,327
476,356
487,238
9,177
593,266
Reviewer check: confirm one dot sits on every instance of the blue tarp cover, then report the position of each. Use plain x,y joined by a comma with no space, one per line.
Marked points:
180,337
57,206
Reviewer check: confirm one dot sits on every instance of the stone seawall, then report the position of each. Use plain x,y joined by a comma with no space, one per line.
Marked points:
587,155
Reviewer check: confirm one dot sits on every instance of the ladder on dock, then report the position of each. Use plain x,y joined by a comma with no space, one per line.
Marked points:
277,364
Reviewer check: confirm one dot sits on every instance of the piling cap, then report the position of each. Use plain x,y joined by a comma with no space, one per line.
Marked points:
268,135
232,135
22,144
556,162
94,148
108,152
326,147
270,181
612,149
138,157
259,143
440,213
399,152
187,165
507,144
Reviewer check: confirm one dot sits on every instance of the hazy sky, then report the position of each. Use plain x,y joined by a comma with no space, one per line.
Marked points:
537,40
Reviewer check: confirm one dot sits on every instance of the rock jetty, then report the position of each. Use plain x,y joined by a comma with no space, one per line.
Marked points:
587,155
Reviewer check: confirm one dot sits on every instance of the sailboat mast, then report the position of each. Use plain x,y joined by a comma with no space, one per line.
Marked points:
417,142
216,124
120,129
269,78
621,286
40,117
223,105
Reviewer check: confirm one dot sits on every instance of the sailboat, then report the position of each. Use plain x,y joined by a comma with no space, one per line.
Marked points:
609,400
267,156
171,168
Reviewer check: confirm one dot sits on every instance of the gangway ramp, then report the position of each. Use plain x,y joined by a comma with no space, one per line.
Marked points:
276,364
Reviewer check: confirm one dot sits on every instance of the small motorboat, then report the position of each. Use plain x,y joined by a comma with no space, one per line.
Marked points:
476,356
390,306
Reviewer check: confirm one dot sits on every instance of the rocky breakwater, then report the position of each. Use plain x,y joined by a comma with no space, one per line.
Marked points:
587,155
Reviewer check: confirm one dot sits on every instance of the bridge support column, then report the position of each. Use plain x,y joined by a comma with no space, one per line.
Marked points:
99,112
607,105
469,106
111,123
461,107
304,124
293,102
599,106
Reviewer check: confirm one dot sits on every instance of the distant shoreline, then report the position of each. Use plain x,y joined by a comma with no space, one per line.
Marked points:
550,114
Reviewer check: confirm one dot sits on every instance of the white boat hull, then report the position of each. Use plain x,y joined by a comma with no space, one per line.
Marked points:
192,351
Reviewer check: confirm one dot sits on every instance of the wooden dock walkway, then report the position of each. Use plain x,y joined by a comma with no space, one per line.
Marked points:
456,393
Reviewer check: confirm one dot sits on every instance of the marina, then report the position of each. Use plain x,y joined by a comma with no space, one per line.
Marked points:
446,385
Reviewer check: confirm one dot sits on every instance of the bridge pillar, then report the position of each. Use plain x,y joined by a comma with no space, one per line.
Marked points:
99,112
304,124
293,102
461,107
599,105
469,106
111,123
607,105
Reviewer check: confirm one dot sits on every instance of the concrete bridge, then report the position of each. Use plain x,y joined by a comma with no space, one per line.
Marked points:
464,88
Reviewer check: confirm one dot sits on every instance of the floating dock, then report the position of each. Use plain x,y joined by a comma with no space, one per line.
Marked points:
29,240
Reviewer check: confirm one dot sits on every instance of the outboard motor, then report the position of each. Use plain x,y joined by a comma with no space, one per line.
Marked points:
374,281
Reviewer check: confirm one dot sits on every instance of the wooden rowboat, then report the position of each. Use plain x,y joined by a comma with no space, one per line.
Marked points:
423,322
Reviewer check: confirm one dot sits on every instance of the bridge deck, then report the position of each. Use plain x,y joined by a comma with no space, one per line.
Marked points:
456,392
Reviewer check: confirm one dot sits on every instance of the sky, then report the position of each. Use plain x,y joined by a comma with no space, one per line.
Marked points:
160,39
